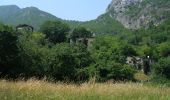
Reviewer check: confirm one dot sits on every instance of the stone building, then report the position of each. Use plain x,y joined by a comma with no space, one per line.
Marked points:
24,27
137,62
140,63
87,41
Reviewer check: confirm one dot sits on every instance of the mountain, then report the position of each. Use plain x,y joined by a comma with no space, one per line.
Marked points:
105,24
134,14
121,16
14,15
124,15
7,11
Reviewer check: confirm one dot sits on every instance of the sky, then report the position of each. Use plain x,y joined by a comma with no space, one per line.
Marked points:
82,10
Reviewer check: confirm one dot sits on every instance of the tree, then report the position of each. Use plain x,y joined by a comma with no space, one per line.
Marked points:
9,52
55,31
115,71
83,60
127,50
162,67
110,55
80,32
69,62
62,63
163,49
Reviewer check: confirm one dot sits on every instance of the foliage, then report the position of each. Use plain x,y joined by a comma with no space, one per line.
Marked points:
55,31
115,71
33,54
60,62
29,54
9,51
162,68
163,49
80,32
69,62
105,24
110,58
110,48
160,81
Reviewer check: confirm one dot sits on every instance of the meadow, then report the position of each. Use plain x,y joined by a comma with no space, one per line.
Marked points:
42,90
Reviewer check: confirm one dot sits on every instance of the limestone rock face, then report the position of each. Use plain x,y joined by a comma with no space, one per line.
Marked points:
134,14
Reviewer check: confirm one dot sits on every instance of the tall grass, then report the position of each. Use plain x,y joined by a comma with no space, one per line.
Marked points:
41,90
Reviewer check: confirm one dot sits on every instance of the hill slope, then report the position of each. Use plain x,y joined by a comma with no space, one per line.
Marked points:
104,24
120,16
13,15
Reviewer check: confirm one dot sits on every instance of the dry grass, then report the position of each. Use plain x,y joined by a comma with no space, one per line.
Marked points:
41,90
140,76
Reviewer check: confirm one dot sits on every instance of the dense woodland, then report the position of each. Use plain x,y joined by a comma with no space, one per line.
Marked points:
48,53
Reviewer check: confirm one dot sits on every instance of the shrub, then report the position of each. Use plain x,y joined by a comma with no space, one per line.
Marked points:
115,71
9,51
162,68
118,71
69,62
55,31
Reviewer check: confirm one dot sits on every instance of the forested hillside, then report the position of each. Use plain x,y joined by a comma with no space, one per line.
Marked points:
35,17
13,15
120,14
60,50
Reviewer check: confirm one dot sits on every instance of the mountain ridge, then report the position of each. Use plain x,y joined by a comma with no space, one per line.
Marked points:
121,16
35,17
28,15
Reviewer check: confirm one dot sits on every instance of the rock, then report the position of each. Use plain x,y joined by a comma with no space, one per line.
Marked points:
134,14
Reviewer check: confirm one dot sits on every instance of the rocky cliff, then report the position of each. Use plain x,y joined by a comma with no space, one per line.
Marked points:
134,14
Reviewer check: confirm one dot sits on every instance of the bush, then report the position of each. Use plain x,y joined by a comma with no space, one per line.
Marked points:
162,68
115,71
62,63
34,55
55,31
69,62
9,52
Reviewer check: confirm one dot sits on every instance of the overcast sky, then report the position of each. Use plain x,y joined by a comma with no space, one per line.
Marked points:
82,10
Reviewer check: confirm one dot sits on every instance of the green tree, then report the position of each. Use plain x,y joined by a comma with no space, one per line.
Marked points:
127,50
163,49
9,52
83,60
162,67
115,71
69,62
33,55
55,31
109,54
80,32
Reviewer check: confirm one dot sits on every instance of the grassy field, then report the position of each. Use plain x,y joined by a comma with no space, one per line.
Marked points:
40,90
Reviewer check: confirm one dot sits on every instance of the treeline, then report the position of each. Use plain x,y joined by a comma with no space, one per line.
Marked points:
49,53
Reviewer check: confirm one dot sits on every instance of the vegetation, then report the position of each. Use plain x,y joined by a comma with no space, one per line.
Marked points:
162,68
56,53
80,32
9,51
48,54
40,90
98,26
55,31
37,17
